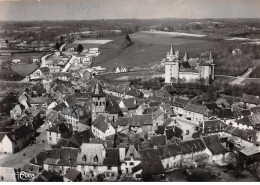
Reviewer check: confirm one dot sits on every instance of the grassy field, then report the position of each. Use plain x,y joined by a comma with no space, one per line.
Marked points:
9,75
24,57
88,43
149,49
24,69
147,74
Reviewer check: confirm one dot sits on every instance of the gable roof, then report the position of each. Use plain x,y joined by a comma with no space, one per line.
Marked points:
101,123
130,103
151,162
112,107
19,133
226,113
245,134
250,99
158,140
213,143
112,157
212,126
32,168
132,152
212,106
168,121
135,93
44,69
179,102
169,88
91,154
72,175
65,130
196,108
62,157
183,147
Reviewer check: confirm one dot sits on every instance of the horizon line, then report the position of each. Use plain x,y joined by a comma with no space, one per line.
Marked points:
126,19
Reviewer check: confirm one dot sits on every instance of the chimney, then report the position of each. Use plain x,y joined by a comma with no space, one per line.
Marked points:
35,159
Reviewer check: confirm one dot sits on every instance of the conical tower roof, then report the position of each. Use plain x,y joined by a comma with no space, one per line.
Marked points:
98,91
186,57
210,56
171,51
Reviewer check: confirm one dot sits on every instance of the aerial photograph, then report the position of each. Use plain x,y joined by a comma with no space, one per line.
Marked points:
130,91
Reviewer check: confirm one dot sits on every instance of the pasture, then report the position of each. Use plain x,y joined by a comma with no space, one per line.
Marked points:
149,49
88,43
24,69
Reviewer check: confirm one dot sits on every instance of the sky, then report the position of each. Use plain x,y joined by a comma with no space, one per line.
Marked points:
28,10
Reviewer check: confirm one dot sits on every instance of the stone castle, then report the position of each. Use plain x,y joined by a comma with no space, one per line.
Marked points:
187,70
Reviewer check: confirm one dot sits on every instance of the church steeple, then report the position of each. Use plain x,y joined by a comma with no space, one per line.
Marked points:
98,91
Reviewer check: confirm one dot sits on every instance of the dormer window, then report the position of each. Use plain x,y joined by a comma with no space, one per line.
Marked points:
84,158
96,158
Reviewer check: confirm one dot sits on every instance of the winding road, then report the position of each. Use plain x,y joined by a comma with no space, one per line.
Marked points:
241,78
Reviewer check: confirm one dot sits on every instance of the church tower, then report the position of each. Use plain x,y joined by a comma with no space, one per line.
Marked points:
98,102
172,64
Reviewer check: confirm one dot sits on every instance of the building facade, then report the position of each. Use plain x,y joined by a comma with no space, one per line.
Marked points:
183,70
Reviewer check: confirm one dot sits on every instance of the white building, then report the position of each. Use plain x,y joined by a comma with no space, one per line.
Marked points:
176,69
101,128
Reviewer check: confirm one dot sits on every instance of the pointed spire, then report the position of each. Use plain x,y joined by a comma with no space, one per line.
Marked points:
186,57
98,91
210,56
171,51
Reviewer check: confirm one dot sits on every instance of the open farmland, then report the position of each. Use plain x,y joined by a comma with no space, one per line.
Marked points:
149,49
88,43
24,57
24,69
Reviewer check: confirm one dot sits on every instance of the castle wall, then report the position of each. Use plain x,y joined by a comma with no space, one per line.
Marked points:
167,73
171,71
189,76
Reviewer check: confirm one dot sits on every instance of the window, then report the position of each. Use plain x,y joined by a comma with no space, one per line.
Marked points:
96,158
50,133
131,164
96,103
50,138
100,103
109,168
187,132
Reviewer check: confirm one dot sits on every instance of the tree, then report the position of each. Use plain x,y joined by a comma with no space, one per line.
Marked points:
80,48
229,50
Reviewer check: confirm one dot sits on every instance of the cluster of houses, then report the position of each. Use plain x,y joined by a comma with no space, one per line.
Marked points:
114,131
66,65
106,131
